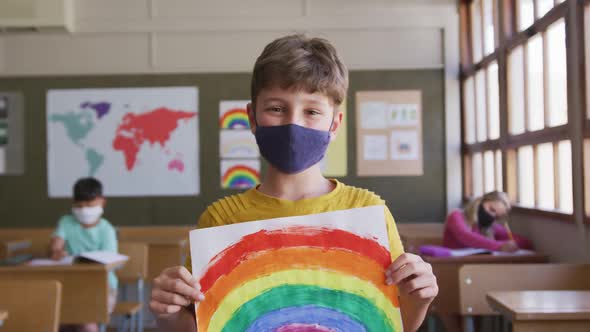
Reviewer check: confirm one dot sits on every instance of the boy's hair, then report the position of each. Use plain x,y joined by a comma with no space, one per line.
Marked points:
302,63
87,189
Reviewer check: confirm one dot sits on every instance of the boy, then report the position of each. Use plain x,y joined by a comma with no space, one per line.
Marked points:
297,85
84,230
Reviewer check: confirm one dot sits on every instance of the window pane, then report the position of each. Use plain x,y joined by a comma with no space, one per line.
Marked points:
526,14
493,102
557,75
587,60
566,201
469,110
543,6
477,175
488,26
476,30
489,165
480,101
587,175
516,91
526,184
534,83
499,178
545,177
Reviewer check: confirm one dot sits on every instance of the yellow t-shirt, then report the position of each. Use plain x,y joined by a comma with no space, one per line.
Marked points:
254,205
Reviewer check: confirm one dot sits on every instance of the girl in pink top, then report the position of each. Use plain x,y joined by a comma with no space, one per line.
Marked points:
476,226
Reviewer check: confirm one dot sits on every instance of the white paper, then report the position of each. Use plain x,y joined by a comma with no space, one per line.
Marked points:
207,242
237,144
374,115
468,252
68,260
404,145
520,252
375,147
151,158
403,115
104,257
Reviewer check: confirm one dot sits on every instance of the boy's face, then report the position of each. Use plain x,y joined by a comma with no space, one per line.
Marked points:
277,107
99,201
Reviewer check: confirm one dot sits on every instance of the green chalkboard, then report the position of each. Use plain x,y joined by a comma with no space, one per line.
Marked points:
24,201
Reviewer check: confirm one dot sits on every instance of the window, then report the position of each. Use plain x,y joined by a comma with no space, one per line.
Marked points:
532,158
557,74
516,91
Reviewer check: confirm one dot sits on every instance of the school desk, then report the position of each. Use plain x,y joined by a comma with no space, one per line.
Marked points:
3,316
38,236
84,288
414,235
11,248
542,311
446,269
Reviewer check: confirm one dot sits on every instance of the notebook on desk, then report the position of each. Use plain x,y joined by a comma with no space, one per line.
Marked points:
439,251
101,257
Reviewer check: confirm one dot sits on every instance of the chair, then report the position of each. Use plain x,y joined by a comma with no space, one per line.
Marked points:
32,305
134,272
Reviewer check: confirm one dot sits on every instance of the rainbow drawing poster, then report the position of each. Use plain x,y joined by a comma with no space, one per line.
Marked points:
233,114
236,144
240,174
315,273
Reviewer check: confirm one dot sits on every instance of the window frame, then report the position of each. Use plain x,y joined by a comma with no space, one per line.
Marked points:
508,37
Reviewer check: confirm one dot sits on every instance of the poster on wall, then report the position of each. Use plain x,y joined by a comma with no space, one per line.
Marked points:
240,174
320,272
137,141
238,152
389,133
334,163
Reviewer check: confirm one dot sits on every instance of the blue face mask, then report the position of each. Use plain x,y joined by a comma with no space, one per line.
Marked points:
292,148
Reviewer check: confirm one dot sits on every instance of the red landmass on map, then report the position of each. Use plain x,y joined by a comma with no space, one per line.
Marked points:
154,127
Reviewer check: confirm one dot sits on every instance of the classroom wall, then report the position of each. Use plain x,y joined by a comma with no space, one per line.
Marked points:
179,36
562,241
24,199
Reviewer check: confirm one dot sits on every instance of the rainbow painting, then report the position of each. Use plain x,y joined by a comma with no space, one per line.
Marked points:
233,114
317,273
237,144
240,174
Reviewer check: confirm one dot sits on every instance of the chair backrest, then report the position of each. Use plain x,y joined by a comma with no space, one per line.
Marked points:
137,265
32,305
476,280
38,236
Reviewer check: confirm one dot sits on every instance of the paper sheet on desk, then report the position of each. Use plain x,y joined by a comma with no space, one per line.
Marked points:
520,252
68,260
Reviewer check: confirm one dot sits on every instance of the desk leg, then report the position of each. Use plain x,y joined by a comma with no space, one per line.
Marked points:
468,324
451,322
102,328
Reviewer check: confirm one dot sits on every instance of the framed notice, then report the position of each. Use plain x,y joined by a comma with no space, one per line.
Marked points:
389,133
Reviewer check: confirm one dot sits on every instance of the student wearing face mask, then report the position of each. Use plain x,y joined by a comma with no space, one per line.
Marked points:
297,86
480,225
85,230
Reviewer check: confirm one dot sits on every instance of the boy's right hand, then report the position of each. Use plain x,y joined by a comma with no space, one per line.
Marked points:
58,254
172,290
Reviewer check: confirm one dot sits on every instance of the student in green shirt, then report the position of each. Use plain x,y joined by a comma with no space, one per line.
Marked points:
85,230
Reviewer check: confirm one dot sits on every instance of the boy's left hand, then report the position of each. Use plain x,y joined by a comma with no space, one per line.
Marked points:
413,277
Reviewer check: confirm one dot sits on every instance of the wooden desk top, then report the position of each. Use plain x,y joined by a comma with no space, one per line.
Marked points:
488,258
542,305
72,267
156,241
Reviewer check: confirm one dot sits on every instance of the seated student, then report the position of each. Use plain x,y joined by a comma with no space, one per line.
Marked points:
297,85
84,230
476,226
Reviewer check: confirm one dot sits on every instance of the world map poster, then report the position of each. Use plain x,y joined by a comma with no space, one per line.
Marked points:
136,141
